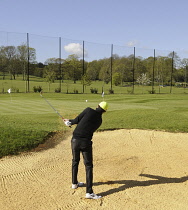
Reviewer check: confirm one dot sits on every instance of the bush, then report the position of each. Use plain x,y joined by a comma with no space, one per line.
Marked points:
130,91
75,91
15,89
151,91
57,90
37,89
111,91
94,90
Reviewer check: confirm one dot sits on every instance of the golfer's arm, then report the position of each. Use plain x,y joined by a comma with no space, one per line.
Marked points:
78,118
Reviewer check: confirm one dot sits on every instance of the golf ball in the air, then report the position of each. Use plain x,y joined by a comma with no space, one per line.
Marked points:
86,100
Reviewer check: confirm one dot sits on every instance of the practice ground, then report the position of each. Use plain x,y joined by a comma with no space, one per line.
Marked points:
133,169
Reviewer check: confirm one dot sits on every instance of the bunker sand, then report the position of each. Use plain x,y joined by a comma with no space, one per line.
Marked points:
133,169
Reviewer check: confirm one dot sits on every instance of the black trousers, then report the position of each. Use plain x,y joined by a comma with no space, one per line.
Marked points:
84,147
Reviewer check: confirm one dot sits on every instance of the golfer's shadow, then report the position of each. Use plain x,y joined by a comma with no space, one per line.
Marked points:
125,184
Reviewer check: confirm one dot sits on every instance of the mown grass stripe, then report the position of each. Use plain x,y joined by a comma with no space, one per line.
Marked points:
27,120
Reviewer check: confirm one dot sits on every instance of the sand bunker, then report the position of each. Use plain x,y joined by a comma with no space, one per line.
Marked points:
133,169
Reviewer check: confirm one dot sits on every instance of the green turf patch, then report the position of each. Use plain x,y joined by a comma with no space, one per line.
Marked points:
27,119
14,141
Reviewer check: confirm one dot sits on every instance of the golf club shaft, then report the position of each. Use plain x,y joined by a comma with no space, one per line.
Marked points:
51,106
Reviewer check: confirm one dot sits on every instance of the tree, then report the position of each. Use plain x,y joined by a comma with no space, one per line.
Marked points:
86,81
140,68
73,68
184,63
93,69
143,80
148,63
49,74
9,55
22,55
176,59
122,66
3,62
163,69
104,74
116,79
55,62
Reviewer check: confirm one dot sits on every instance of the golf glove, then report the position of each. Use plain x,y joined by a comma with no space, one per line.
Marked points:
67,123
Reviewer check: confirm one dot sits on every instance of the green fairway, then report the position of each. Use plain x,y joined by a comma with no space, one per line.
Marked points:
68,86
26,119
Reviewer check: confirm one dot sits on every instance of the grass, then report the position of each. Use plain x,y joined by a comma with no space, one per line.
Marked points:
70,87
159,112
23,126
27,120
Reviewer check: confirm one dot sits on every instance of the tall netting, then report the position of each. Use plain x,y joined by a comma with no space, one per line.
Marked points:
180,74
123,69
44,63
143,70
45,47
12,39
72,65
97,67
31,63
163,71
12,65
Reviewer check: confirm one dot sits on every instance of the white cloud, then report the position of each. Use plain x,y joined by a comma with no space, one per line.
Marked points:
132,43
75,48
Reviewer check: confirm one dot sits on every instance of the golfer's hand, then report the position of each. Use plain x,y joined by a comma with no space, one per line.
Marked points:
67,122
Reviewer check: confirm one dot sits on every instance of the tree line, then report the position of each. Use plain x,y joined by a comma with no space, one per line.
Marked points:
119,70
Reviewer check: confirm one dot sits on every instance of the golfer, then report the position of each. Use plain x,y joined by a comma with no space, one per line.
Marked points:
87,123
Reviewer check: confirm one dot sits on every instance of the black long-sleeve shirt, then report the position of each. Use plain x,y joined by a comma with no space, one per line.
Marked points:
87,123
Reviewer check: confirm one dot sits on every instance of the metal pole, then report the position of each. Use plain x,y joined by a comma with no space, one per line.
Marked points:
172,71
153,72
83,67
185,78
111,64
27,62
133,68
60,72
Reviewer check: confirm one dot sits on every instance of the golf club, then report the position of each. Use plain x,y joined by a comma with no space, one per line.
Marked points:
52,107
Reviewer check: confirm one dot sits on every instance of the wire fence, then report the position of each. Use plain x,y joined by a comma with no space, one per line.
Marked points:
29,61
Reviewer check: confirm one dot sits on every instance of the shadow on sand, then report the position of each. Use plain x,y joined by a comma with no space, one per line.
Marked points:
134,183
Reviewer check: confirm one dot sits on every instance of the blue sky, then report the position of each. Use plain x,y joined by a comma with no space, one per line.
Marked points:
143,24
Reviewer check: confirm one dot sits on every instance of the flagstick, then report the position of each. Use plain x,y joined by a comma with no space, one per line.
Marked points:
103,95
9,91
11,97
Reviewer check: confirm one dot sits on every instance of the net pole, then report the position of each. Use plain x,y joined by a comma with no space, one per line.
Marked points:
28,70
60,72
111,64
83,67
172,72
134,55
153,72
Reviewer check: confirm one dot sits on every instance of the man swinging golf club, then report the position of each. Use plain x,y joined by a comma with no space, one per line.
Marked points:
87,123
